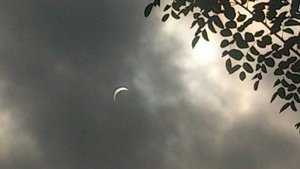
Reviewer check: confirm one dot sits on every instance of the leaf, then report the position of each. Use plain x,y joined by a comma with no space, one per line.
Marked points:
263,68
267,40
256,85
273,97
291,22
247,67
286,105
241,17
296,66
281,92
234,69
218,22
260,59
258,76
148,10
193,24
196,15
261,44
249,37
211,27
198,31
278,72
174,15
289,30
296,97
249,58
185,11
224,43
257,67
259,33
254,51
224,53
275,46
293,106
201,22
156,3
229,13
195,40
204,35
167,7
289,96
291,87
284,83
259,16
283,65
236,54
242,76
230,24
270,62
226,32
240,42
294,77
165,17
243,2
292,59
277,82
229,67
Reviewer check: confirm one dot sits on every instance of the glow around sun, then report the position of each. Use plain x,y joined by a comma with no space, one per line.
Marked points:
204,74
205,52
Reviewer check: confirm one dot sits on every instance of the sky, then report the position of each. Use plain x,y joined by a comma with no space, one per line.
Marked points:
60,62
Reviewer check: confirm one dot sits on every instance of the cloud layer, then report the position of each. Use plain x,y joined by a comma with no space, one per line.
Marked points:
60,62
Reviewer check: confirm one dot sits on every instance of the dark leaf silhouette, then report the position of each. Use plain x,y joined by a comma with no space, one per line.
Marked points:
148,10
249,37
224,43
241,17
274,96
165,17
248,68
242,75
256,85
250,58
286,105
195,40
211,27
235,54
229,67
292,22
297,126
204,35
270,62
174,15
218,21
259,33
254,51
226,32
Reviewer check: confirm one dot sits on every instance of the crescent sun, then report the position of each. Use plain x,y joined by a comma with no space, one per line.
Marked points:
117,91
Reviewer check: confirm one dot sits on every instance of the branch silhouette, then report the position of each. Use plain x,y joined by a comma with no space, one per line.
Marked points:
248,52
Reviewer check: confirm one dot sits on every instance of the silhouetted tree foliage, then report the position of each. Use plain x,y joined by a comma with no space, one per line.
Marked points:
249,51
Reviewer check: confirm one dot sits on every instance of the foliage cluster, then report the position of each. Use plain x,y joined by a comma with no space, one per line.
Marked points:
274,47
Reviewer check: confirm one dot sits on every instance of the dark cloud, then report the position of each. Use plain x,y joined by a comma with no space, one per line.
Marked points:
60,62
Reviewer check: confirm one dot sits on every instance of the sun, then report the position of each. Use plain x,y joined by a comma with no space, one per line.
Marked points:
205,53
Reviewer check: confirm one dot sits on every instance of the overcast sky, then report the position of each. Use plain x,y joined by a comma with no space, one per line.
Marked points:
61,60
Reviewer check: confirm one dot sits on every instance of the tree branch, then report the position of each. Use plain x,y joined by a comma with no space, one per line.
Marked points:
266,25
